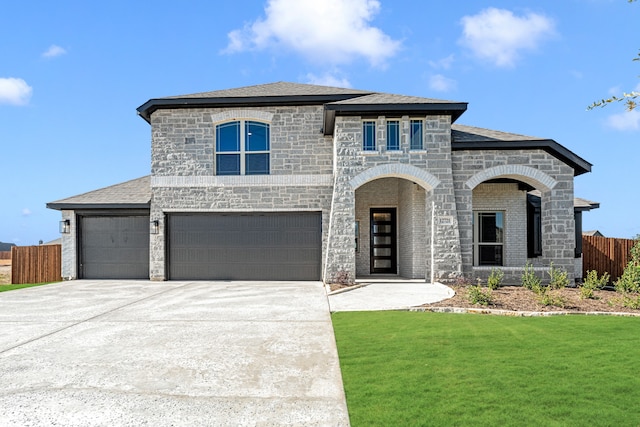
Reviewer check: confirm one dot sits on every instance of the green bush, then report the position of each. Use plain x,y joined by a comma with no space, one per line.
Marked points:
548,297
495,279
631,302
593,283
529,279
478,296
558,277
629,282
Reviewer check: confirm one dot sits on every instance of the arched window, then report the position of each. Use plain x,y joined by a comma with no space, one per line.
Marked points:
242,148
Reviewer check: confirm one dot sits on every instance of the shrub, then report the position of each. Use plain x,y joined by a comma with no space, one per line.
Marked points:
630,279
558,277
495,278
548,297
529,279
593,283
476,295
631,302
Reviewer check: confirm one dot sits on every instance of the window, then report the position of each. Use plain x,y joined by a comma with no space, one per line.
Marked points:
393,135
242,148
369,135
488,238
415,129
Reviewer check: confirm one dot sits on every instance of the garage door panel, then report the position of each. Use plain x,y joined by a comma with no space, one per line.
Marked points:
267,246
114,247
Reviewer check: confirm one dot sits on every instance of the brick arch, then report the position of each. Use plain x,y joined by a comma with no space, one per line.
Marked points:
224,116
396,170
532,176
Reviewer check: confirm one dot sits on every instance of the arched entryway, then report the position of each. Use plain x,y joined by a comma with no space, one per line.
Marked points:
391,221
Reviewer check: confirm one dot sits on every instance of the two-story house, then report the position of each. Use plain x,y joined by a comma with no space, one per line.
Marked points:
289,181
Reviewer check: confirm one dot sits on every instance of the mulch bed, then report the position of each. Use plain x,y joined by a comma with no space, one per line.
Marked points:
516,298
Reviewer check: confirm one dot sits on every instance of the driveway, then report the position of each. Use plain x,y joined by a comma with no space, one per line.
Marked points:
112,353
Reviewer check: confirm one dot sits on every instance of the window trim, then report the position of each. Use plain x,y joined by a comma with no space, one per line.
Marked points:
396,123
243,146
366,124
476,235
421,122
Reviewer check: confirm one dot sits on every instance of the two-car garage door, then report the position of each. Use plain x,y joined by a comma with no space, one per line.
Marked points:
251,246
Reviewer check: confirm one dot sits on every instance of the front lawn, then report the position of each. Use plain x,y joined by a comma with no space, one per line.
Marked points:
4,288
412,369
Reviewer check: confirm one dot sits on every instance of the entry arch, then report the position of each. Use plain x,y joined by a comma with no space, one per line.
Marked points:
396,170
532,176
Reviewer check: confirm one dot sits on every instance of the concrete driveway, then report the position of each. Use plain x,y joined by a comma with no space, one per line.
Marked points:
112,353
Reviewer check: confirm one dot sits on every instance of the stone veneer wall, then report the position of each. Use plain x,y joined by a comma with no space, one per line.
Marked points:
183,140
69,247
431,168
541,170
183,165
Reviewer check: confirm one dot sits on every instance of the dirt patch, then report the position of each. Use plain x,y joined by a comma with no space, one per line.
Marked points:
5,274
516,298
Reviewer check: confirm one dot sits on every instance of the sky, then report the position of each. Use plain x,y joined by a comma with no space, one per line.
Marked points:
72,74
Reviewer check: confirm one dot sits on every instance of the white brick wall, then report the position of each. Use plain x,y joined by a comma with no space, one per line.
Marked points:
507,198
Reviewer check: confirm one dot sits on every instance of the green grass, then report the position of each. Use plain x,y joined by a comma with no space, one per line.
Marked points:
426,369
4,288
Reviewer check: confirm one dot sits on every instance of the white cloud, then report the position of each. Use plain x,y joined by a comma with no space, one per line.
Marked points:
53,51
328,80
626,121
499,36
333,31
443,63
26,212
14,91
440,83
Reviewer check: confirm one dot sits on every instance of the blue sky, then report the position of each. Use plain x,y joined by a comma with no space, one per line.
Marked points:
72,74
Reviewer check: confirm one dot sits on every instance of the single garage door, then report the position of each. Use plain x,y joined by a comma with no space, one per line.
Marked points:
114,247
252,246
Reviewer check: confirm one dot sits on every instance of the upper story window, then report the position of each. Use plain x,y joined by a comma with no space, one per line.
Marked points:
242,148
415,135
369,135
393,134
488,238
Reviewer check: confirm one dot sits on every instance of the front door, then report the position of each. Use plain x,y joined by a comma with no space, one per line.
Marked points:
383,240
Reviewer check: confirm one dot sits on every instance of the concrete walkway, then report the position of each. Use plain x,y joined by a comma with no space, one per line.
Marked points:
113,353
388,295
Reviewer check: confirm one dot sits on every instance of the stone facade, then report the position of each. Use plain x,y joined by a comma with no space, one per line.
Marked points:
317,163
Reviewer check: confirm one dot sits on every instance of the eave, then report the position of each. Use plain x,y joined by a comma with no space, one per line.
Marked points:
455,110
578,164
146,109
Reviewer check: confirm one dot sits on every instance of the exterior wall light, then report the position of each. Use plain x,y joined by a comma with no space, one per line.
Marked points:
154,227
65,226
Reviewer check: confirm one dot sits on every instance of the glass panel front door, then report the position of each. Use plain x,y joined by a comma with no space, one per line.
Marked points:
383,240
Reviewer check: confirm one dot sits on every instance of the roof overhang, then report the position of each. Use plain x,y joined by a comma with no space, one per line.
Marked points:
86,206
453,109
578,164
146,109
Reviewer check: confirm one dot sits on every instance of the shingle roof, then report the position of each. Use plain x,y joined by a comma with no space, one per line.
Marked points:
475,138
579,203
389,98
465,133
130,194
287,93
274,89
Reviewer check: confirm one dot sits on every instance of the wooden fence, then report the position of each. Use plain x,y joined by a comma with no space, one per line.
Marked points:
36,264
5,254
605,254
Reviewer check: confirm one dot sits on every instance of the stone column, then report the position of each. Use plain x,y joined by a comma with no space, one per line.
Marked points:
558,227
